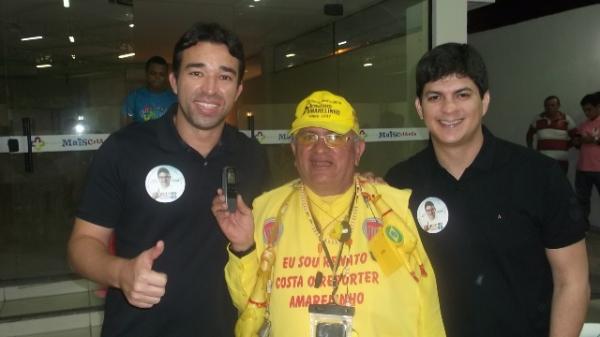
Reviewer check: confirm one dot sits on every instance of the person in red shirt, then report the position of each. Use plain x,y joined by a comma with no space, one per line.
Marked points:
588,141
554,130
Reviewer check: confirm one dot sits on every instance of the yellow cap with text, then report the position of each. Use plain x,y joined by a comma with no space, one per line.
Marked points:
322,109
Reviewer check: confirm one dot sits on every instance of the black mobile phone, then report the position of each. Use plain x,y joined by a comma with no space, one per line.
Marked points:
229,185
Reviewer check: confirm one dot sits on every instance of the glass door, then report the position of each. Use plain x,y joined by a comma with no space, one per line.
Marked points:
61,89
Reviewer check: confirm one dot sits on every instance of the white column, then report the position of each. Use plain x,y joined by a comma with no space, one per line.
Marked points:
449,21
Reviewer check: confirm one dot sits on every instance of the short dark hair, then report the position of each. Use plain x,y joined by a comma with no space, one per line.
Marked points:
209,32
163,170
429,203
592,99
552,97
448,59
156,60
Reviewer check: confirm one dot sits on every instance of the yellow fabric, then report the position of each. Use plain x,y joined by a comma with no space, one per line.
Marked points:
396,305
322,109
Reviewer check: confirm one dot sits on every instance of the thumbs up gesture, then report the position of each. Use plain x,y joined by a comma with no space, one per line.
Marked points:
142,286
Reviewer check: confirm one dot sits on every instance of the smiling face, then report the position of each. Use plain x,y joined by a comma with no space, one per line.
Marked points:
207,85
452,110
327,170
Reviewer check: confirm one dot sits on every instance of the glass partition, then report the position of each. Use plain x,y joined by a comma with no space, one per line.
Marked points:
374,70
71,104
77,93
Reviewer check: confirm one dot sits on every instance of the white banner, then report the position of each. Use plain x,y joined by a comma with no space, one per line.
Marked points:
370,135
86,142
54,143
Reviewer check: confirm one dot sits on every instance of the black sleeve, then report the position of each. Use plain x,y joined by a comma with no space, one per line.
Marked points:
102,196
265,179
563,222
394,175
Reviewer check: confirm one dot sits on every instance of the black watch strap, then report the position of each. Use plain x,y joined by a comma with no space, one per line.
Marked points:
244,252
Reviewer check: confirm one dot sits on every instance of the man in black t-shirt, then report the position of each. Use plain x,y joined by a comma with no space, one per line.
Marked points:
167,276
509,253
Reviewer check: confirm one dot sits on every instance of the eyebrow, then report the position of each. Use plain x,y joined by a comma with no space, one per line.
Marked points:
454,92
203,65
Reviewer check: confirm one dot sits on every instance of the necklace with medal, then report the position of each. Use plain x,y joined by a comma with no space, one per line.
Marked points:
343,238
334,218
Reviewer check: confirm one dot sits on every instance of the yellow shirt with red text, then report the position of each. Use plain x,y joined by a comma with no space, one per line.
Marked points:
385,306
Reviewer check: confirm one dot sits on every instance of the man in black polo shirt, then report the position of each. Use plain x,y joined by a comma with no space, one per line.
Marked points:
510,254
167,276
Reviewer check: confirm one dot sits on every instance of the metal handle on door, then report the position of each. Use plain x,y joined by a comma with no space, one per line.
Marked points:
29,154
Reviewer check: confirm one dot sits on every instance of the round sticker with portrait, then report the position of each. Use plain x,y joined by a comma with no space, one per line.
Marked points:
432,215
165,183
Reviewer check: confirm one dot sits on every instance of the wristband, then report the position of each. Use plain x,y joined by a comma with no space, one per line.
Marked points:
244,252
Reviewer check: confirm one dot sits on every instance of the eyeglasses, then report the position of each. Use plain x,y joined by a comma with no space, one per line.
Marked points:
331,139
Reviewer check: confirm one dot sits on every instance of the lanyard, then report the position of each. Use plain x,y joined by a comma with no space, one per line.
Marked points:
345,236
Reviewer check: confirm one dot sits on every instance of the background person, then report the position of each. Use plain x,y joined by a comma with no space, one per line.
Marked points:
153,100
167,278
588,164
511,261
554,131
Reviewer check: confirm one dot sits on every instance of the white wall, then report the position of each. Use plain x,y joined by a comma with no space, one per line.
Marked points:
554,55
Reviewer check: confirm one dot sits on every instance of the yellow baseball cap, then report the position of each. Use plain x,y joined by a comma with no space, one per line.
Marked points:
322,109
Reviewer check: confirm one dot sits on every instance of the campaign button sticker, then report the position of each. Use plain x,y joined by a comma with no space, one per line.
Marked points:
432,215
165,183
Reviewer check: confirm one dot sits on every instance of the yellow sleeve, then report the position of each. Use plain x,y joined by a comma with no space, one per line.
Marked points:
240,275
430,320
430,316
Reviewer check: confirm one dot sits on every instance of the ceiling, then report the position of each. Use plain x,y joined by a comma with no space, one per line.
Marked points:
507,12
266,23
101,28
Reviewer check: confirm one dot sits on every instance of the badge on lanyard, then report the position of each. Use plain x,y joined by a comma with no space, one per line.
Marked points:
330,320
432,215
165,183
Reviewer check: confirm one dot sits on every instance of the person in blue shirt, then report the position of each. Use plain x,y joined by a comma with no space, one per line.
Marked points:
154,99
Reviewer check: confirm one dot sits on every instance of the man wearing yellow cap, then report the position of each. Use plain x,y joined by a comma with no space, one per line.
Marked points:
328,254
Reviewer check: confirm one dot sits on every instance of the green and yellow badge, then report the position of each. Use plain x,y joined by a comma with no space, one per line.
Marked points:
394,234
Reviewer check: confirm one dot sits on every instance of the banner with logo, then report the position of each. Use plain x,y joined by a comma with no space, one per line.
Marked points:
53,143
369,135
88,142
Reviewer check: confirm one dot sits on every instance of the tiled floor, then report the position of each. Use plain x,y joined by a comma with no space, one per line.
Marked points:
85,332
42,305
26,260
593,314
593,248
